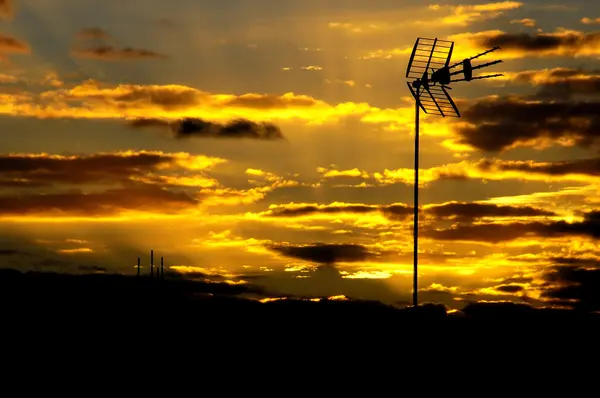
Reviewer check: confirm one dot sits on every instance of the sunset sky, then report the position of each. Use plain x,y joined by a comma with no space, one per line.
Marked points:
270,142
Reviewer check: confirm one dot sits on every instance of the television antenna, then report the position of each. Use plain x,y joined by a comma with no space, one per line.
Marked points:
430,91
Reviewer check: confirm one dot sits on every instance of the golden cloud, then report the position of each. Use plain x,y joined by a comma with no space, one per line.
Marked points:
453,15
463,15
122,184
590,21
563,42
530,23
93,100
498,170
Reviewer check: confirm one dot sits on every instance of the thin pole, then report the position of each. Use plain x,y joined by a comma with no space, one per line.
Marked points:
416,209
138,268
162,269
151,263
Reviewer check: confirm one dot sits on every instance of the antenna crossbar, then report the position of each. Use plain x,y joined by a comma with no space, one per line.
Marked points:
478,78
475,57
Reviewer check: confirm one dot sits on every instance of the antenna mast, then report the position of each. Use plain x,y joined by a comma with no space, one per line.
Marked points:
426,54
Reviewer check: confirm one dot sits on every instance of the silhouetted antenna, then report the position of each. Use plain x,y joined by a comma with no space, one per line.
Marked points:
138,268
151,263
429,67
162,269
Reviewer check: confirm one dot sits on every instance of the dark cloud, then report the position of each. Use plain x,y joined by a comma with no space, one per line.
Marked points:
108,202
165,97
395,211
567,43
102,50
123,171
194,127
575,286
455,210
468,211
9,252
590,166
517,279
398,211
492,233
307,210
92,33
509,288
499,123
575,261
11,45
109,53
565,106
324,253
35,171
496,233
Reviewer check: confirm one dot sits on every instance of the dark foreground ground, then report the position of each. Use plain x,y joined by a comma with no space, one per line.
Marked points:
55,301
96,324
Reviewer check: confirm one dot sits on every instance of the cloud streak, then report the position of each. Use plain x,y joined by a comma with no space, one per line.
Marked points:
11,45
102,184
460,211
108,53
589,227
103,51
561,43
321,253
195,127
109,202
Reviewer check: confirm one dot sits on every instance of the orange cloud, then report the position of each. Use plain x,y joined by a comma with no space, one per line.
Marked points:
10,45
590,21
6,9
171,103
530,23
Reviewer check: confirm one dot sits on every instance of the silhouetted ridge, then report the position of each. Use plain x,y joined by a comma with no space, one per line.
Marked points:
93,301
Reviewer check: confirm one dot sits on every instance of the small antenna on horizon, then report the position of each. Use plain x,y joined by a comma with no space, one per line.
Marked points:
138,267
162,269
151,263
